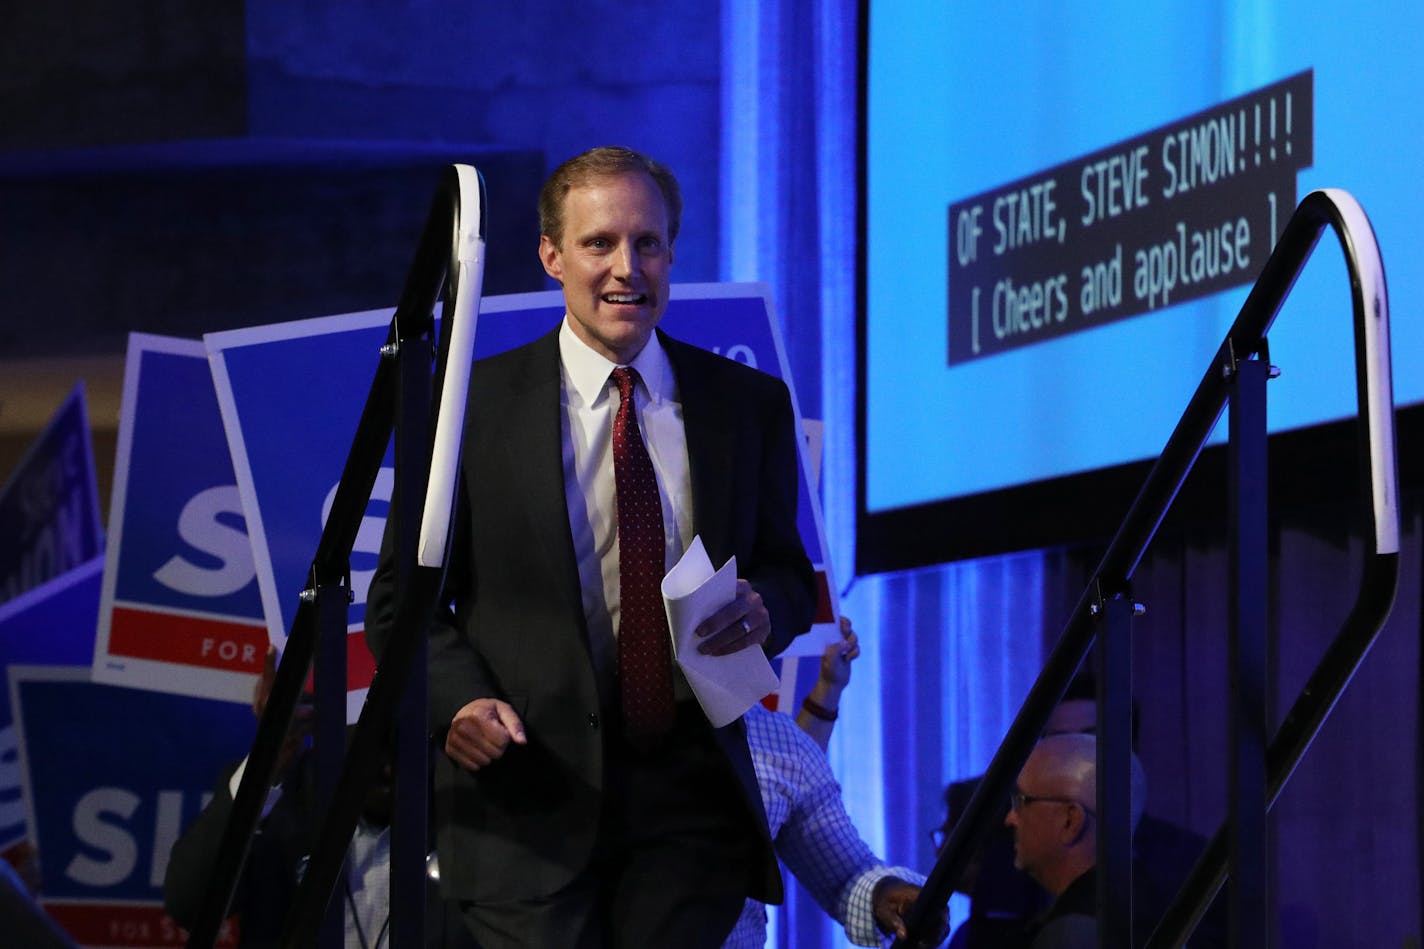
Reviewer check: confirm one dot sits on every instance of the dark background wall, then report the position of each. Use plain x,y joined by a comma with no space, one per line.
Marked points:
180,169
80,73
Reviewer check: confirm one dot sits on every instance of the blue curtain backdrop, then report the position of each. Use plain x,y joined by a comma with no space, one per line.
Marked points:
948,652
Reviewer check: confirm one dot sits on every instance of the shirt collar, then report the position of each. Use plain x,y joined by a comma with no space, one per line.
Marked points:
588,371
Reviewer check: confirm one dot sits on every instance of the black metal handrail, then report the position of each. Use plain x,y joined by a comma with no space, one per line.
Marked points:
441,258
1246,338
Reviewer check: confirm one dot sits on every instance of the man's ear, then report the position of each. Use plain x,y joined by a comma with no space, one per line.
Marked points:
1075,823
550,257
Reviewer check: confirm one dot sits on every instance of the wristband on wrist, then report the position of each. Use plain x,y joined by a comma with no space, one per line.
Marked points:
818,710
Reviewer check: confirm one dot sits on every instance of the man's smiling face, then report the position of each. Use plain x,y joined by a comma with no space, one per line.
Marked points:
614,262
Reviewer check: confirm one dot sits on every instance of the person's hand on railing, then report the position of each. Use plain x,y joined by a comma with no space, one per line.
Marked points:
891,900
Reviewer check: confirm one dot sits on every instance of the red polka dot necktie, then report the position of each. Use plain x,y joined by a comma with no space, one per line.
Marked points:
644,647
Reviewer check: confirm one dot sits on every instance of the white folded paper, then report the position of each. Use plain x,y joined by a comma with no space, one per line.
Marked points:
725,686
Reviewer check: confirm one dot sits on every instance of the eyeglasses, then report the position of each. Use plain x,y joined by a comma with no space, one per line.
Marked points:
1019,800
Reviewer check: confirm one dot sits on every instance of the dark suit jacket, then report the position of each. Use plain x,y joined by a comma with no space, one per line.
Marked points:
268,881
525,826
271,874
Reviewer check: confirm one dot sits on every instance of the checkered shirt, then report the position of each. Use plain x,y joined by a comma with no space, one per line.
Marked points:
814,835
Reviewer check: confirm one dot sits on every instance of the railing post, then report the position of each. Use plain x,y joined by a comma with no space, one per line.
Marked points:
329,683
409,822
1114,773
1247,676
360,766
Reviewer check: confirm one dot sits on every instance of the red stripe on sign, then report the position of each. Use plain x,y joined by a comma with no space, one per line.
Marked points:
18,852
824,613
360,664
126,924
166,637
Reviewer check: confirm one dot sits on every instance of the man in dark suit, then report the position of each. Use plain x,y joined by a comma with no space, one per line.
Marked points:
281,848
277,858
583,799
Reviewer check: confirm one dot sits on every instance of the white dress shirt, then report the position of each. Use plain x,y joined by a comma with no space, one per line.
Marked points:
590,402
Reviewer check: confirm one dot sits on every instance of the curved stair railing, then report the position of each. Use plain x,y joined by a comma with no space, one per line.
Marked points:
426,415
1236,374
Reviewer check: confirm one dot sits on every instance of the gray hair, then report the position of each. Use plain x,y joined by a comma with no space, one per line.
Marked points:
1072,760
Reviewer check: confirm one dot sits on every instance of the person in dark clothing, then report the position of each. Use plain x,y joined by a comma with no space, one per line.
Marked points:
280,849
1055,835
1005,902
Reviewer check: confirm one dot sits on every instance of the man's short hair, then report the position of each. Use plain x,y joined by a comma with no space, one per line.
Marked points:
608,161
1072,759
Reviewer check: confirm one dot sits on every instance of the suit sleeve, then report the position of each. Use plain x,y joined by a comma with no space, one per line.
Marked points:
456,674
190,862
783,575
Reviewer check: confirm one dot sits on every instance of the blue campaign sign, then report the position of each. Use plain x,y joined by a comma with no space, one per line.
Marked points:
111,776
52,624
180,609
49,507
291,396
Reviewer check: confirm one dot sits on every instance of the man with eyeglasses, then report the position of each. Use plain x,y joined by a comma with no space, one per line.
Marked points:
1005,903
1055,834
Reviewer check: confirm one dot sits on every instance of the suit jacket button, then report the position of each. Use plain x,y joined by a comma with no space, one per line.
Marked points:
592,719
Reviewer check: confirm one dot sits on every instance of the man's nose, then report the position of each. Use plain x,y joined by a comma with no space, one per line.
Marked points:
624,261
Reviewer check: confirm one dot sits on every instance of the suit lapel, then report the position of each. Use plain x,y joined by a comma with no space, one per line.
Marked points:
710,443
534,446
